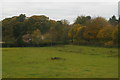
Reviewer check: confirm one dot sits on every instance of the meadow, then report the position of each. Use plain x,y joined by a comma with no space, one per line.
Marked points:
75,62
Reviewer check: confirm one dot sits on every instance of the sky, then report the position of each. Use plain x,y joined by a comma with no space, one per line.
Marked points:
59,9
119,8
60,0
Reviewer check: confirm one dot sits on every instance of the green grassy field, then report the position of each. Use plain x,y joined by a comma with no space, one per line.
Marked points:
76,62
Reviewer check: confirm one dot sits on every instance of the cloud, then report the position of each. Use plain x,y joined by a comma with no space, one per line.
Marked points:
60,0
60,10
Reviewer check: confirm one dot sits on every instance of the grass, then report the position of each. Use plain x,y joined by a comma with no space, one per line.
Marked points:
1,63
76,62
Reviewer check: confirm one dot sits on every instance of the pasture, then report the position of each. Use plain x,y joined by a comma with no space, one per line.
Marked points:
74,62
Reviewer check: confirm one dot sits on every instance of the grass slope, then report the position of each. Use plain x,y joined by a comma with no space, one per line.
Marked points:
77,62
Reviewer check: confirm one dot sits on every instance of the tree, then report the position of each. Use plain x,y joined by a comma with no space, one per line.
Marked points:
113,20
65,22
76,32
40,22
13,28
119,19
79,34
36,36
19,30
58,31
116,34
7,30
83,20
105,34
41,29
93,28
21,18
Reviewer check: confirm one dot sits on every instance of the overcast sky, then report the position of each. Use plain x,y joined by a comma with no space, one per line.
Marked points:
61,9
60,0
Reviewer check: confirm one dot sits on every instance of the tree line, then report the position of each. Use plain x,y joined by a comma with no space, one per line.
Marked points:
40,29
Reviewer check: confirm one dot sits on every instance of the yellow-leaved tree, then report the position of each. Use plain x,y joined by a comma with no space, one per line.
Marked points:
36,36
76,32
93,28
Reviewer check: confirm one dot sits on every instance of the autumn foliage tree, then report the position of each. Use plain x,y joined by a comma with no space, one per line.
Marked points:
76,32
116,34
36,37
41,29
105,34
83,20
93,28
